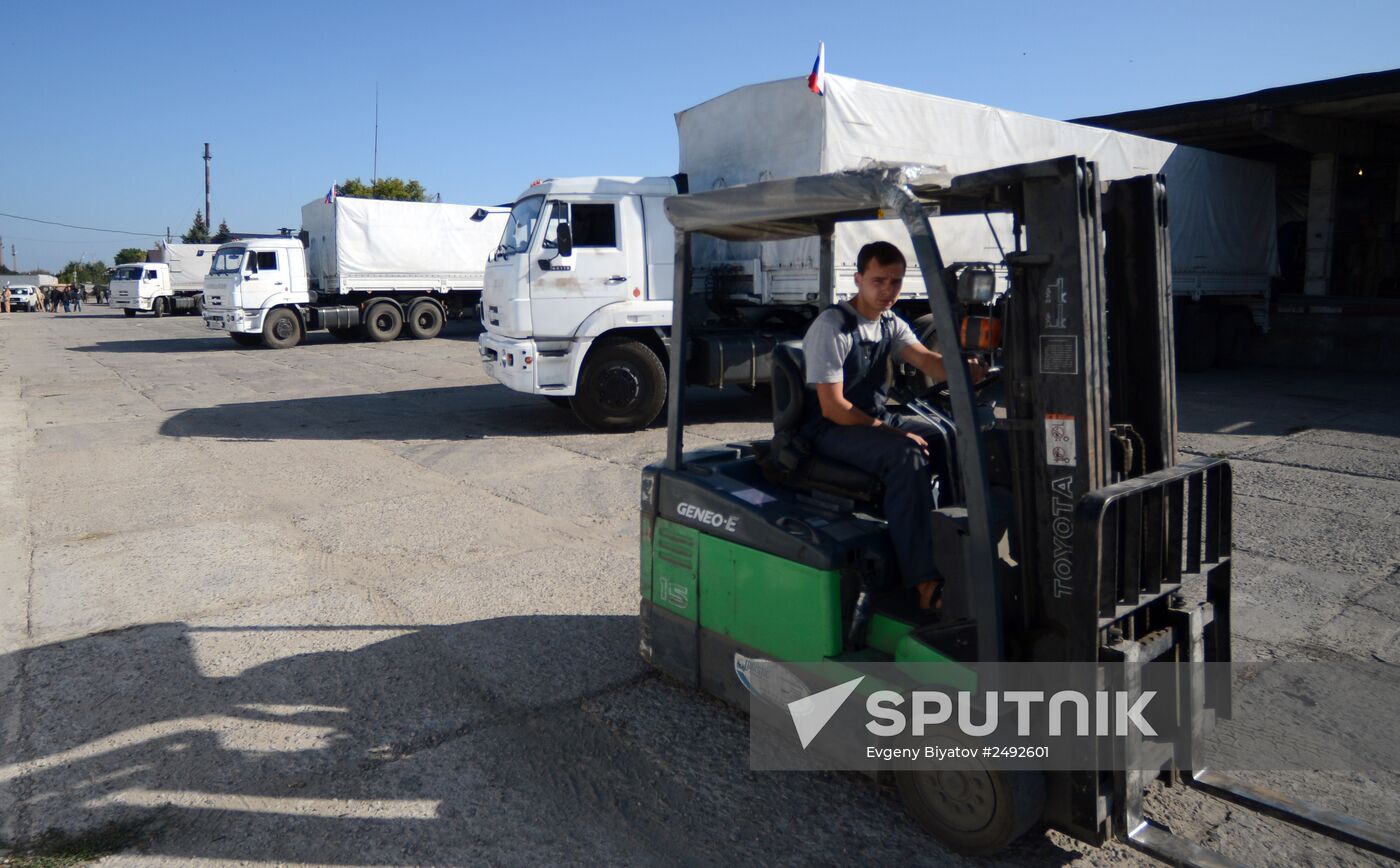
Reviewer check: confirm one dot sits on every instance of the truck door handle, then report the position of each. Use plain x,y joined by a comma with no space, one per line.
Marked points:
617,278
278,283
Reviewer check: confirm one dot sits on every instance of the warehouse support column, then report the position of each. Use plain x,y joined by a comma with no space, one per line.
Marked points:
1322,212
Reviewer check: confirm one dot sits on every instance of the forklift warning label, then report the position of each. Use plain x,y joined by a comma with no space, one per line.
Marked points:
1059,440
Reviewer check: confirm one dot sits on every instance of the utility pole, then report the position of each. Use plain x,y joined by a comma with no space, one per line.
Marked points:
374,175
14,257
206,184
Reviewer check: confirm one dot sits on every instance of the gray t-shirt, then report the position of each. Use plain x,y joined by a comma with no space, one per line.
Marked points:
826,345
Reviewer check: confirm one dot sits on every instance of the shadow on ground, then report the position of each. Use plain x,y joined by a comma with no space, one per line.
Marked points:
536,737
454,413
212,341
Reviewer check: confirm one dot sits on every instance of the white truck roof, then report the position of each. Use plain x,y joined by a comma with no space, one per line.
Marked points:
1223,208
604,185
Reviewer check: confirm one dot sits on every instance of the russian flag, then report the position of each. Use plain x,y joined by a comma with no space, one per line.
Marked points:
816,82
330,197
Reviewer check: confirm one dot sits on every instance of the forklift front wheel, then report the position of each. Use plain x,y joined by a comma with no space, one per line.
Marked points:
973,811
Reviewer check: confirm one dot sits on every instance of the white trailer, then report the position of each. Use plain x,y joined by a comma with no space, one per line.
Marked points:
171,280
367,267
589,327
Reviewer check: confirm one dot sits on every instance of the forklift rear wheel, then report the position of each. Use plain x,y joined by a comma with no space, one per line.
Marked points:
245,340
158,308
383,322
281,329
424,320
129,312
973,811
621,388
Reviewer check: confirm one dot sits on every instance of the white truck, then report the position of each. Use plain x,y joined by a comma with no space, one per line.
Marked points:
582,315
362,267
171,280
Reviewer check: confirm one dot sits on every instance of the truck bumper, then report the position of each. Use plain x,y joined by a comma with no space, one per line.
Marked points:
244,322
131,303
511,362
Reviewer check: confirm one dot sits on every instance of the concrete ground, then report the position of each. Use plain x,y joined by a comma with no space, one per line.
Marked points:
356,604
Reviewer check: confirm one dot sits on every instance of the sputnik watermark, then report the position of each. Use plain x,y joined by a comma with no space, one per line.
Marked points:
932,708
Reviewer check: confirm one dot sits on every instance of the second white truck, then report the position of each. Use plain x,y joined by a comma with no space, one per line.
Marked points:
362,268
171,280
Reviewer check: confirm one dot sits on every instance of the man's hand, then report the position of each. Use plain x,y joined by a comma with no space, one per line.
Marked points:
923,444
976,369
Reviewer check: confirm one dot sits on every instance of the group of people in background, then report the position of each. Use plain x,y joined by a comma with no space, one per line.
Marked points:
53,299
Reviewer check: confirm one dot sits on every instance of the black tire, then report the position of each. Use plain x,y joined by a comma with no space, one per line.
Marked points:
1195,340
383,322
974,812
128,311
622,386
349,333
559,401
159,307
1234,328
199,305
245,340
281,330
425,320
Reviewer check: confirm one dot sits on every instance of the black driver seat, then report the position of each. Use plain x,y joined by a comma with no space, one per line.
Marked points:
790,459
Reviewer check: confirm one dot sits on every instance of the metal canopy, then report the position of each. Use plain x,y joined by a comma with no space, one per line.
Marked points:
801,207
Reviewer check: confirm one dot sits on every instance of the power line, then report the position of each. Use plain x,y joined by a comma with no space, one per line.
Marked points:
84,228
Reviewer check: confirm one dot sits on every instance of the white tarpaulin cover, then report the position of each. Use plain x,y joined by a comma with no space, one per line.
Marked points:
189,263
1222,212
351,238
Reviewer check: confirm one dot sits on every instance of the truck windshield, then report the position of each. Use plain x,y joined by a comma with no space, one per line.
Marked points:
129,273
524,217
228,260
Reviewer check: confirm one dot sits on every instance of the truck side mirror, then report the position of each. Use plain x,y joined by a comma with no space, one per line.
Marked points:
565,239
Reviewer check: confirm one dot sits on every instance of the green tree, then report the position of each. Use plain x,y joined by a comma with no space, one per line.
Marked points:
198,233
129,254
224,234
83,272
384,188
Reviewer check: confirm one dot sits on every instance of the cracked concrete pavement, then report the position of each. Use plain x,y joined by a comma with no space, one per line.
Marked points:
357,604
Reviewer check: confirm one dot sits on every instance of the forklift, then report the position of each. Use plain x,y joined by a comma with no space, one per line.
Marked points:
1066,529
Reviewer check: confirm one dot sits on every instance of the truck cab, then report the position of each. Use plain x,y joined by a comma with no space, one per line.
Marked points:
250,280
577,297
137,285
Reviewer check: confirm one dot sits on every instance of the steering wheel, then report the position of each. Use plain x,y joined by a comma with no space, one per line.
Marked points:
939,391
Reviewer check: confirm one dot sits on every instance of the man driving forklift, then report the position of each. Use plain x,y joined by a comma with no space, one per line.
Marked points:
847,349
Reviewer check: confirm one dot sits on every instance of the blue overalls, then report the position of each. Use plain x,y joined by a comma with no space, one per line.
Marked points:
897,461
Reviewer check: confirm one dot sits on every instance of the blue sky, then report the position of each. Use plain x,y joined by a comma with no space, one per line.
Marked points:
106,106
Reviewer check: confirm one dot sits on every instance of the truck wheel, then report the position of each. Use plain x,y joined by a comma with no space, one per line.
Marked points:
128,311
975,811
281,329
1195,340
383,322
621,387
1235,332
199,305
158,308
424,320
245,340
